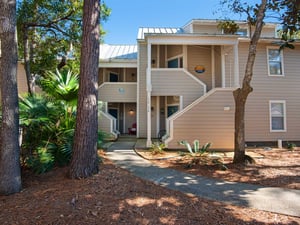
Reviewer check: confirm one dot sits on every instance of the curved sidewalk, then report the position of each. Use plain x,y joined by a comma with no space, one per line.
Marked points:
278,200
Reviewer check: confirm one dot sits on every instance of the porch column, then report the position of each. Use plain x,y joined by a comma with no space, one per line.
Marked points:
185,56
236,66
157,114
149,90
213,73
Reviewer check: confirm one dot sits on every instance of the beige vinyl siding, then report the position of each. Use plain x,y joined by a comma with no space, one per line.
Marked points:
229,66
130,75
200,55
142,98
169,82
266,88
207,121
174,50
268,32
207,29
118,92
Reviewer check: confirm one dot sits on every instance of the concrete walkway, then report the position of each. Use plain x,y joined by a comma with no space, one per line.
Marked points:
278,200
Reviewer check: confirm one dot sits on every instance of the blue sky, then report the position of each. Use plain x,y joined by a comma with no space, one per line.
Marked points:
128,15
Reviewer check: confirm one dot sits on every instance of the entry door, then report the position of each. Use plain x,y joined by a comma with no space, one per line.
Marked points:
114,113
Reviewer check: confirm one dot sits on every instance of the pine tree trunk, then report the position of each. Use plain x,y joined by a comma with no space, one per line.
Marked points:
84,161
10,174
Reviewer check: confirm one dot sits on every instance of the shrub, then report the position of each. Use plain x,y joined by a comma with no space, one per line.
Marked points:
48,122
41,161
157,148
291,146
196,149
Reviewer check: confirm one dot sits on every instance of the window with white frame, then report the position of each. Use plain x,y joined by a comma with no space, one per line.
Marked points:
275,61
176,62
277,116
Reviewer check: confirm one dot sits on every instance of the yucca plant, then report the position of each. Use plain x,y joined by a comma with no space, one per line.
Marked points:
196,149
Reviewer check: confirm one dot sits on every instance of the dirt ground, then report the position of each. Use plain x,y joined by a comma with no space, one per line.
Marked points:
114,196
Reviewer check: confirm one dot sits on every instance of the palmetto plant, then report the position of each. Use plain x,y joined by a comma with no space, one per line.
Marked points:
48,122
62,86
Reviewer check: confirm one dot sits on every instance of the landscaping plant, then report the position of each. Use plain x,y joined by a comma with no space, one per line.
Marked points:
200,155
48,122
157,148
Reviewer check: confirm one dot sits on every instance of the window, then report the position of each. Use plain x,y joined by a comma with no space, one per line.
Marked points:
113,77
172,109
175,62
242,32
277,116
275,62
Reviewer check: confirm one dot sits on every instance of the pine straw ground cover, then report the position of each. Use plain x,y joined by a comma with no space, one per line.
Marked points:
114,196
272,167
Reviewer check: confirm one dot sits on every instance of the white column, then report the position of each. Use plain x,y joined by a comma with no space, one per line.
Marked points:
236,66
223,66
149,89
185,57
213,73
158,56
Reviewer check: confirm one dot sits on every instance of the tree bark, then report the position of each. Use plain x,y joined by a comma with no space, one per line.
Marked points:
84,162
10,174
241,94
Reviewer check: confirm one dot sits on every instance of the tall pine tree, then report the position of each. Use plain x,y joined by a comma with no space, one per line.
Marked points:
84,161
10,174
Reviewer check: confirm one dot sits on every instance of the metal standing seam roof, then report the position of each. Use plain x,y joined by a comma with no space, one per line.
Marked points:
118,52
157,30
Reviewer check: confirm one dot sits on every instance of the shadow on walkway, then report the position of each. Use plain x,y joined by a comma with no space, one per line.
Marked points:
278,200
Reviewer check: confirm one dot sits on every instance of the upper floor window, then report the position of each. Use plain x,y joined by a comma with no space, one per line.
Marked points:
242,32
275,61
277,116
175,62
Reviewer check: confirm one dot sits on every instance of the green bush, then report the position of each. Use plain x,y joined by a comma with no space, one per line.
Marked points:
48,122
48,126
157,148
41,161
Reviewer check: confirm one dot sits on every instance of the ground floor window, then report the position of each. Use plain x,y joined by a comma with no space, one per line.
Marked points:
277,116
